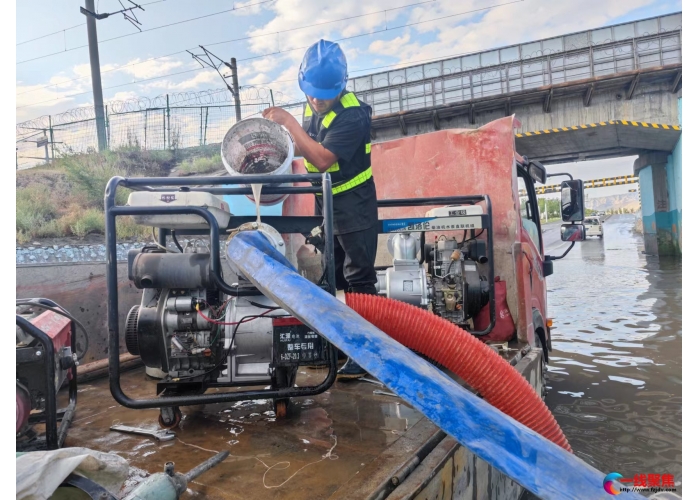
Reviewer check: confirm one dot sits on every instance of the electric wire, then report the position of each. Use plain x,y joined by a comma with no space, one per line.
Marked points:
244,319
147,30
272,53
62,312
177,243
79,26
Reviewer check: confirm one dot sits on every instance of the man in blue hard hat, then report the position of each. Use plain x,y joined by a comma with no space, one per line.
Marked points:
335,137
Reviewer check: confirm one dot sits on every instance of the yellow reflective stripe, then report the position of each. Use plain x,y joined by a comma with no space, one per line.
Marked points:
329,119
349,100
368,148
307,110
310,168
355,181
313,170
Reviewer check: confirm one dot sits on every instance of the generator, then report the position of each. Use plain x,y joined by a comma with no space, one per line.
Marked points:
197,337
455,285
200,324
46,358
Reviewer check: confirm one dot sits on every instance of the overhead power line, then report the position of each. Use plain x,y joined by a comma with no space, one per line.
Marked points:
81,25
149,29
290,50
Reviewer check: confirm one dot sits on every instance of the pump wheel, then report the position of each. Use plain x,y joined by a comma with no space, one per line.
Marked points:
169,417
281,408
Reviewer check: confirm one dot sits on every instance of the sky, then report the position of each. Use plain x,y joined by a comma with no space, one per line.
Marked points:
268,38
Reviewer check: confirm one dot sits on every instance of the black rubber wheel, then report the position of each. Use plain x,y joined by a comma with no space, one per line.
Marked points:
281,408
176,421
543,367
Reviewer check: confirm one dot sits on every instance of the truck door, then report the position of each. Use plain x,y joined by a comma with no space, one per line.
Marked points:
532,251
529,210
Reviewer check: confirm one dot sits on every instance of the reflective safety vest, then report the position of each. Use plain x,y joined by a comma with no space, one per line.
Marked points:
339,179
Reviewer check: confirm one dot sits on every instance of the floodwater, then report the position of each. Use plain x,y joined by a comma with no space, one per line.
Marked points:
615,374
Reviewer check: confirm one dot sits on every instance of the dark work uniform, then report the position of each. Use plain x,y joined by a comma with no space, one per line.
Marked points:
345,132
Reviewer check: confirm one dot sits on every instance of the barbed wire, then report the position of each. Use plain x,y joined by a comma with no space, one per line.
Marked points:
251,95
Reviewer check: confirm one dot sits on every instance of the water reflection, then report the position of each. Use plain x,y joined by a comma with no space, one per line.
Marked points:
615,376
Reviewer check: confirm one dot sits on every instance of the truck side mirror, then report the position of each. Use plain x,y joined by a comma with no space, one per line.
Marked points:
572,204
573,232
537,172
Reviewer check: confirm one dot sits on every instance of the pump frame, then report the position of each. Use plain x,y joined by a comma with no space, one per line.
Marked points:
158,184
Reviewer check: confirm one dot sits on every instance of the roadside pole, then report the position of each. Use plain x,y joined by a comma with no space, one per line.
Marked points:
96,76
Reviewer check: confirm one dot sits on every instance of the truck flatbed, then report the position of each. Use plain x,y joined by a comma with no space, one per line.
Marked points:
345,443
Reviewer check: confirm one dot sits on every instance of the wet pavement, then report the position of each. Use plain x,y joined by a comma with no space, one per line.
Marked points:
615,373
322,444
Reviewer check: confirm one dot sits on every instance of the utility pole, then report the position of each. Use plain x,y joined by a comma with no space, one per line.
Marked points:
91,17
96,76
234,91
209,59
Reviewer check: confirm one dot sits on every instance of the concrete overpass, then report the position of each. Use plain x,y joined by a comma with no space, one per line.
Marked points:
609,92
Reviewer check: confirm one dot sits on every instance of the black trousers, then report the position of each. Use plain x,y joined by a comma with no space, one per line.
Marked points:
354,255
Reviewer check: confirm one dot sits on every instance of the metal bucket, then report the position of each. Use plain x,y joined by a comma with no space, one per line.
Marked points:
257,146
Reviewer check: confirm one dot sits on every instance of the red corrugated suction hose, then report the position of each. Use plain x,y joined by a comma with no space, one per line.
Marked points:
460,352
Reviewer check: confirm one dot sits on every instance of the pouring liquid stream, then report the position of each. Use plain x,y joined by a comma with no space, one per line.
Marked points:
257,189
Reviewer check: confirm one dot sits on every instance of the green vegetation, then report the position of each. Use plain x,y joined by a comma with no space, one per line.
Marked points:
201,165
549,208
65,198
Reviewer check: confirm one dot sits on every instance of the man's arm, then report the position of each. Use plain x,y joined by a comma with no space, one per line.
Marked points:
305,146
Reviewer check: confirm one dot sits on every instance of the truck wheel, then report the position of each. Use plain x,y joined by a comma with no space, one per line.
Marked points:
543,367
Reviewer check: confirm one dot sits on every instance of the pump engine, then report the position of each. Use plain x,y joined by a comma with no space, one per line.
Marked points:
194,337
455,285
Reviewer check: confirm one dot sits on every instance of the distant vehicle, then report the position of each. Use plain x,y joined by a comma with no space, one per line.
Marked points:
594,226
600,214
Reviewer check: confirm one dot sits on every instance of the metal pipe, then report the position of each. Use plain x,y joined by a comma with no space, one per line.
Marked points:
249,191
205,466
130,182
537,464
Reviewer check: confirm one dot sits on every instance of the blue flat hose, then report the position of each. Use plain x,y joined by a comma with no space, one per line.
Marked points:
538,465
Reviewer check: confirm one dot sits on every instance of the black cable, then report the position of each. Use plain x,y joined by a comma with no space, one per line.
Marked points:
62,312
177,243
261,306
474,237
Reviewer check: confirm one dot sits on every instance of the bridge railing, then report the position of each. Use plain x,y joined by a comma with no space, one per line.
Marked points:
606,51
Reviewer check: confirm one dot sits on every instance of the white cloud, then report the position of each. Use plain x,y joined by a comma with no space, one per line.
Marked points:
509,24
83,70
149,69
124,96
194,83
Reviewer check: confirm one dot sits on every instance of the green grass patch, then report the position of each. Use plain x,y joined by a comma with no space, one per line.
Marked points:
202,165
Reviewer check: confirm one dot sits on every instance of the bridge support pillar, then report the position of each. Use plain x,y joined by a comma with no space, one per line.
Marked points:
660,176
660,214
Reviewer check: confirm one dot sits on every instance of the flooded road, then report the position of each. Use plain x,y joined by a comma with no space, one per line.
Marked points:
615,372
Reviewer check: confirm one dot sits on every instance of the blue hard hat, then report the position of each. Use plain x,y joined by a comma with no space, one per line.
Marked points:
324,71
